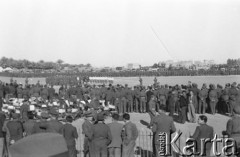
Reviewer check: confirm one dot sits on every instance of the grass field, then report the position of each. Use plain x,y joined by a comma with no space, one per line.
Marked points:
170,80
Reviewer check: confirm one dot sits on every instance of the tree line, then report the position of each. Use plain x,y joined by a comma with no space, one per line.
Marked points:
41,64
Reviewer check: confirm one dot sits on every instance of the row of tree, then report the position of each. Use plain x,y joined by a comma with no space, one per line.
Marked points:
21,64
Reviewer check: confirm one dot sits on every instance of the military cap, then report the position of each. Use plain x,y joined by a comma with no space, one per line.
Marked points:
40,145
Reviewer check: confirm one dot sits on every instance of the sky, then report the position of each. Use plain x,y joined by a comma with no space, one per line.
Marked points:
117,32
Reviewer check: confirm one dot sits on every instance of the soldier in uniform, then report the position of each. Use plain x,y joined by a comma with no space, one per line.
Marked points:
233,94
114,148
130,134
130,100
140,81
51,92
87,131
225,98
213,98
2,120
70,134
29,124
12,91
152,107
117,102
123,106
162,123
233,127
195,91
162,94
25,92
183,104
44,92
101,137
149,93
19,91
24,110
53,125
203,94
37,128
15,129
143,100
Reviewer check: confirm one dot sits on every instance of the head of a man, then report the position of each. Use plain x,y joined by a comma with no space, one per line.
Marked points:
202,119
184,93
115,117
69,119
126,117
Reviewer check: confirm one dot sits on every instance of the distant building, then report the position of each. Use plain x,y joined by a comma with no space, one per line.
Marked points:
167,63
119,68
198,63
208,62
185,64
133,66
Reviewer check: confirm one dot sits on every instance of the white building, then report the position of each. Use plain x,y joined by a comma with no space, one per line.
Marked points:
133,66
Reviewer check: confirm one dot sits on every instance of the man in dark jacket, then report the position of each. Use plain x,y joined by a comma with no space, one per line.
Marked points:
15,128
149,93
130,134
203,131
87,131
162,123
233,127
101,137
70,134
2,119
183,107
53,125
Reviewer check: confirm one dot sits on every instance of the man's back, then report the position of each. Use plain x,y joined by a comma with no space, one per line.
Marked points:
101,130
54,126
28,126
162,123
70,134
203,131
2,119
116,130
131,132
15,129
87,128
233,126
39,127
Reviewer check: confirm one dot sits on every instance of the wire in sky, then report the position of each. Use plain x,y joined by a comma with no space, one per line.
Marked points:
161,41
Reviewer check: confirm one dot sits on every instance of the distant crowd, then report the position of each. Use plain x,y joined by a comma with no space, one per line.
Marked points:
165,72
36,108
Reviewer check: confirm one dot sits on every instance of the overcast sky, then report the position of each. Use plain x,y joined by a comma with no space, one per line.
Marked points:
117,32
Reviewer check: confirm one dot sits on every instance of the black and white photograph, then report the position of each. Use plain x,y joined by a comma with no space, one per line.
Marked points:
119,78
